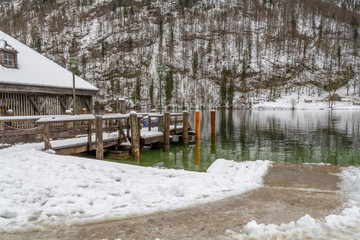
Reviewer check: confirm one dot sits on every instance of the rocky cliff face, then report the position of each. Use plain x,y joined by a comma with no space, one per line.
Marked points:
214,52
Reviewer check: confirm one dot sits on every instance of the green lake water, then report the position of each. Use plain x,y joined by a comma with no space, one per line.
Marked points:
282,136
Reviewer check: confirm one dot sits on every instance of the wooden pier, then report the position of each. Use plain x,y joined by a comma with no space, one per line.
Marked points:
83,133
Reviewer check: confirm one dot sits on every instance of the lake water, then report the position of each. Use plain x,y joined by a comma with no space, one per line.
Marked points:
282,136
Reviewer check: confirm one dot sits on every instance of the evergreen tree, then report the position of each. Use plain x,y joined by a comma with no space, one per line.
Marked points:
209,48
231,91
243,87
169,86
138,89
151,93
38,45
195,63
130,43
103,48
112,83
161,26
74,47
223,89
118,87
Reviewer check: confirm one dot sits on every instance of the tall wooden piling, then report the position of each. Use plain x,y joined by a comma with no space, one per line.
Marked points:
120,131
149,123
2,129
197,125
167,130
212,116
161,124
185,127
135,135
99,137
89,136
47,144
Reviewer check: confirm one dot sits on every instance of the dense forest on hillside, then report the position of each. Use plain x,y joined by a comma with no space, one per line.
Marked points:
214,53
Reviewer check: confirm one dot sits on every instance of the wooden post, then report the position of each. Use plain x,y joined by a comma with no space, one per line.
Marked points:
128,127
212,115
197,125
69,113
161,124
99,137
149,123
2,130
167,130
185,134
47,144
213,120
135,135
120,131
107,125
89,137
175,118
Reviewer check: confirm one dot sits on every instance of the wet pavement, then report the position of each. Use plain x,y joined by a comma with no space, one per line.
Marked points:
290,191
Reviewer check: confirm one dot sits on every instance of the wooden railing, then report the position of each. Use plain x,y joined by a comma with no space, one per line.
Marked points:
62,127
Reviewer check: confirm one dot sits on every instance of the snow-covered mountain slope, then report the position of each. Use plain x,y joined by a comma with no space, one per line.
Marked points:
213,52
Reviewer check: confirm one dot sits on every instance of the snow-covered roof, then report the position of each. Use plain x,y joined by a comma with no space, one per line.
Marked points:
35,69
4,45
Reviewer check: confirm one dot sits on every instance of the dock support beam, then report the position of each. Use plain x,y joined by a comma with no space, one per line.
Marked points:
213,131
212,116
197,125
135,135
167,130
89,136
2,130
185,127
99,138
46,137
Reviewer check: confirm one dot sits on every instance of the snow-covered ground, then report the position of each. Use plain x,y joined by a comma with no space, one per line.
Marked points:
40,190
342,226
306,101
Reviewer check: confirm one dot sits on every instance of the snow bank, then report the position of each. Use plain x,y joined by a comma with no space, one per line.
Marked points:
342,226
40,189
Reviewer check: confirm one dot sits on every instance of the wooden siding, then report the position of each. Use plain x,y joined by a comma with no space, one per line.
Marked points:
36,104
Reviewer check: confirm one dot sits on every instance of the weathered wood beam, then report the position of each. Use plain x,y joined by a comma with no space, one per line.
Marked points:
185,127
2,131
87,102
43,104
89,132
21,88
135,135
47,144
35,104
166,130
99,138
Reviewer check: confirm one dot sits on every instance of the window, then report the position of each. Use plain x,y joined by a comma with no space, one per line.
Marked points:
9,59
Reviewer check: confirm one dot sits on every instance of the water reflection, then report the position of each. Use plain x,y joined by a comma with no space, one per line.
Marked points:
286,136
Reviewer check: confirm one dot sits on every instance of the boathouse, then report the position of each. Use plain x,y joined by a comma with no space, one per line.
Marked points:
31,84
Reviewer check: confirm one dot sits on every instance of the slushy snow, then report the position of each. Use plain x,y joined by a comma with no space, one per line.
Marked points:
346,225
39,189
